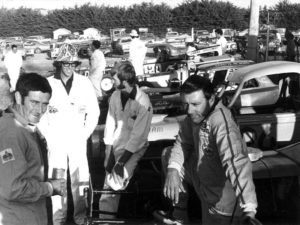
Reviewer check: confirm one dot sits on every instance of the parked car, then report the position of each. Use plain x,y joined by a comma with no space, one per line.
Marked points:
217,72
14,39
38,47
121,45
257,92
243,33
7,47
40,38
201,35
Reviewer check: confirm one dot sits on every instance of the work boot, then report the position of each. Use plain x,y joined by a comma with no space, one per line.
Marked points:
177,217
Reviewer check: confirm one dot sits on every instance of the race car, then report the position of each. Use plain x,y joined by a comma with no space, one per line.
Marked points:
269,123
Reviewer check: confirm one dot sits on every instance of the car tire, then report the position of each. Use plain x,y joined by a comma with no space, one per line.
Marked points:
145,84
37,51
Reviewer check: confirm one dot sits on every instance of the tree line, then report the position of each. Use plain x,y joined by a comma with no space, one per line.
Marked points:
200,14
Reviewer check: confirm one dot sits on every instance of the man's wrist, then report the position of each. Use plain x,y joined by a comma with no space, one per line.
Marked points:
125,157
50,188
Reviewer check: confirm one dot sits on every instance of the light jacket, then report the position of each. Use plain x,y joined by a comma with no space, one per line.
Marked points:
217,154
128,128
70,119
23,190
97,67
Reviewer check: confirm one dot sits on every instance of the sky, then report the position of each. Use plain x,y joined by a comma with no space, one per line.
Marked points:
58,4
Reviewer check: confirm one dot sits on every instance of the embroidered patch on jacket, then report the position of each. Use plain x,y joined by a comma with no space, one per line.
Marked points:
82,109
7,155
52,109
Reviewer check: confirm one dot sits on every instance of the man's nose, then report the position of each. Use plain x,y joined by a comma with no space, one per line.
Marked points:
40,108
189,109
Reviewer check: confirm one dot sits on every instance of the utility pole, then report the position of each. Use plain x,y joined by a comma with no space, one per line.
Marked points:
253,31
268,34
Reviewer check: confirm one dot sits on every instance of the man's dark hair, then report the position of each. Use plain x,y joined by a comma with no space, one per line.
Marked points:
219,31
126,72
5,76
196,83
32,82
13,46
96,44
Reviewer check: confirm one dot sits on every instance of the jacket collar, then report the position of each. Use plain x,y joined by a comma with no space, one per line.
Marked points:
21,120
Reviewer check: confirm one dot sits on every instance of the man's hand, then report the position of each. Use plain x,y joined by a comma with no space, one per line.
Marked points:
172,183
59,186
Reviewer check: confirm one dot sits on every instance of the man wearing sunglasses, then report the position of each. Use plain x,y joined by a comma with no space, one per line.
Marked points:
71,118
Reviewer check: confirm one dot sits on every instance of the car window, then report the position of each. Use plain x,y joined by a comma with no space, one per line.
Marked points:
250,84
219,77
152,52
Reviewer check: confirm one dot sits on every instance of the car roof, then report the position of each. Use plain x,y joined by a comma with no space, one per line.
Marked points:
263,69
160,45
222,64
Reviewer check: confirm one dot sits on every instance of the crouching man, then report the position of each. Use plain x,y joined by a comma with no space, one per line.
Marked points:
24,186
126,133
210,154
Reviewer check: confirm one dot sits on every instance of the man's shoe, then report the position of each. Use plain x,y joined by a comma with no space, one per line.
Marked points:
167,218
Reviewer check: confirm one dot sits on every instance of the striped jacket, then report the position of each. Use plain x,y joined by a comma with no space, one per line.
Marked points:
216,153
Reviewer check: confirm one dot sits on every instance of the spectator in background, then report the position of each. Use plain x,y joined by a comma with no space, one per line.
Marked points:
97,67
6,99
6,50
126,135
24,186
221,40
210,154
290,46
71,118
278,37
13,63
137,53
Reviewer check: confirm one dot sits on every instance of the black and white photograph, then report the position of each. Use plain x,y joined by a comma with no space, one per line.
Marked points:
149,112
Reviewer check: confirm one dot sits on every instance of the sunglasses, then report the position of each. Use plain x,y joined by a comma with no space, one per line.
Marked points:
69,64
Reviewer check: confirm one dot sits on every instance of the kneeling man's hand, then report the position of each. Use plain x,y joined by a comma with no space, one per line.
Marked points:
172,183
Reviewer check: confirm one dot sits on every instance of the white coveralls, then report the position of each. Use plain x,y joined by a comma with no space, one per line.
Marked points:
128,129
67,125
23,190
137,53
13,63
97,67
223,42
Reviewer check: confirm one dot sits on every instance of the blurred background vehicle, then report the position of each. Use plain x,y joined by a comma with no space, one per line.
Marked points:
36,46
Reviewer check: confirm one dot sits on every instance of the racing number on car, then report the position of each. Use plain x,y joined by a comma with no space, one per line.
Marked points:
152,68
149,68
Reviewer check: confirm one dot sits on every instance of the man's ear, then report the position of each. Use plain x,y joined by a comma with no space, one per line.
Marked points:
212,100
18,98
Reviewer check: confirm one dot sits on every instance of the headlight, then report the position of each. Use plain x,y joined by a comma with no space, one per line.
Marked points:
107,84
